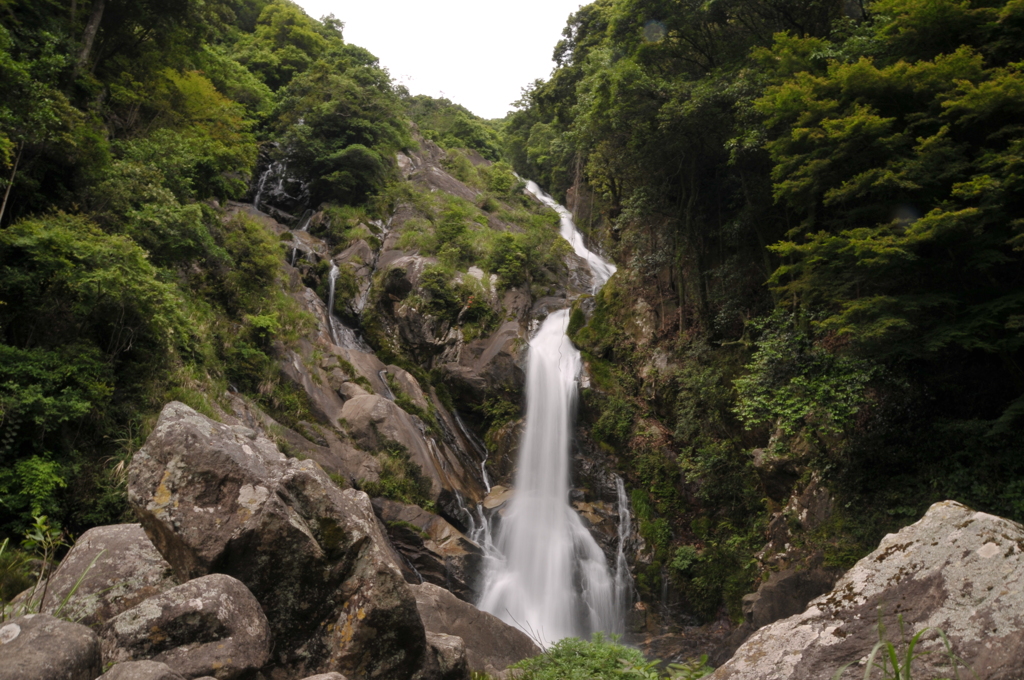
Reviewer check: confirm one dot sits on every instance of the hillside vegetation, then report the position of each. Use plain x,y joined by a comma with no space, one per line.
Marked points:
815,205
123,129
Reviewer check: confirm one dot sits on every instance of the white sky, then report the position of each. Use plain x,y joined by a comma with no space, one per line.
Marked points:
478,53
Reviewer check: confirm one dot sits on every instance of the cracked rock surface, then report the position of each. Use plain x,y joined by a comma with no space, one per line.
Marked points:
222,499
211,625
956,570
41,647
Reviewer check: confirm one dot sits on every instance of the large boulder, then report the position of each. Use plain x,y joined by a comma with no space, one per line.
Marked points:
491,644
955,570
211,625
450,656
109,569
40,647
215,498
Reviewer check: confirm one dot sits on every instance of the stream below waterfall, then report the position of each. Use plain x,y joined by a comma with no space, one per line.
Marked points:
546,574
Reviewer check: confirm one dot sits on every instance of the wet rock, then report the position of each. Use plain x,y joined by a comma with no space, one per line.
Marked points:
956,570
491,644
109,569
211,625
490,365
450,655
142,670
439,552
215,498
40,647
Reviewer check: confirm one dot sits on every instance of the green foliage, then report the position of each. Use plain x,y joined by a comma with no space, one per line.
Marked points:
285,43
795,383
452,126
15,576
400,479
575,659
350,128
615,424
507,260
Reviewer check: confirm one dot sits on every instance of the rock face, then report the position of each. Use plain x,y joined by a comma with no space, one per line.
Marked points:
40,647
784,594
215,498
439,552
957,570
211,625
491,644
127,570
142,670
449,655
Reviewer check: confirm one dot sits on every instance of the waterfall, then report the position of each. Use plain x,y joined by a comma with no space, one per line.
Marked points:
623,579
333,279
259,189
341,335
601,268
550,578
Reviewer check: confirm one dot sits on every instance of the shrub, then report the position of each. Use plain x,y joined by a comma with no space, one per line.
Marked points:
575,659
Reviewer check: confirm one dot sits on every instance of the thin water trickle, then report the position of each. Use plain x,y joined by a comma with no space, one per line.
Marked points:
548,576
623,579
259,188
478,446
341,335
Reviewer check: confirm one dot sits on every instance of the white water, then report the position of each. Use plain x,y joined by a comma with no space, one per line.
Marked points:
342,335
623,579
548,576
602,269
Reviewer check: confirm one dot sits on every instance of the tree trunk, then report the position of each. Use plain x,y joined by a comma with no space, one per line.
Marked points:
89,36
7,193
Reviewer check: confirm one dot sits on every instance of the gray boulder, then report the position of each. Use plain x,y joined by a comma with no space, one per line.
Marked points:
450,655
491,644
40,647
126,571
222,499
211,625
142,670
956,570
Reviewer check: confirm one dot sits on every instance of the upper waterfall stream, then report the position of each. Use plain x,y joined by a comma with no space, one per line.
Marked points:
548,576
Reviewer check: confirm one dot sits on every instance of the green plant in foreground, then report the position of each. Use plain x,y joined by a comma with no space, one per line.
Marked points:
46,540
896,662
603,659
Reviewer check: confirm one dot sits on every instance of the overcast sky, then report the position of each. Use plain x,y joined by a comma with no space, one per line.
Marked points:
478,53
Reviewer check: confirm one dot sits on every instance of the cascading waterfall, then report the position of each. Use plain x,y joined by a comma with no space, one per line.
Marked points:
601,268
333,279
548,576
623,579
341,335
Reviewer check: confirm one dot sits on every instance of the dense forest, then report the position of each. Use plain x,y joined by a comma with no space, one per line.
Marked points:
816,207
124,128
